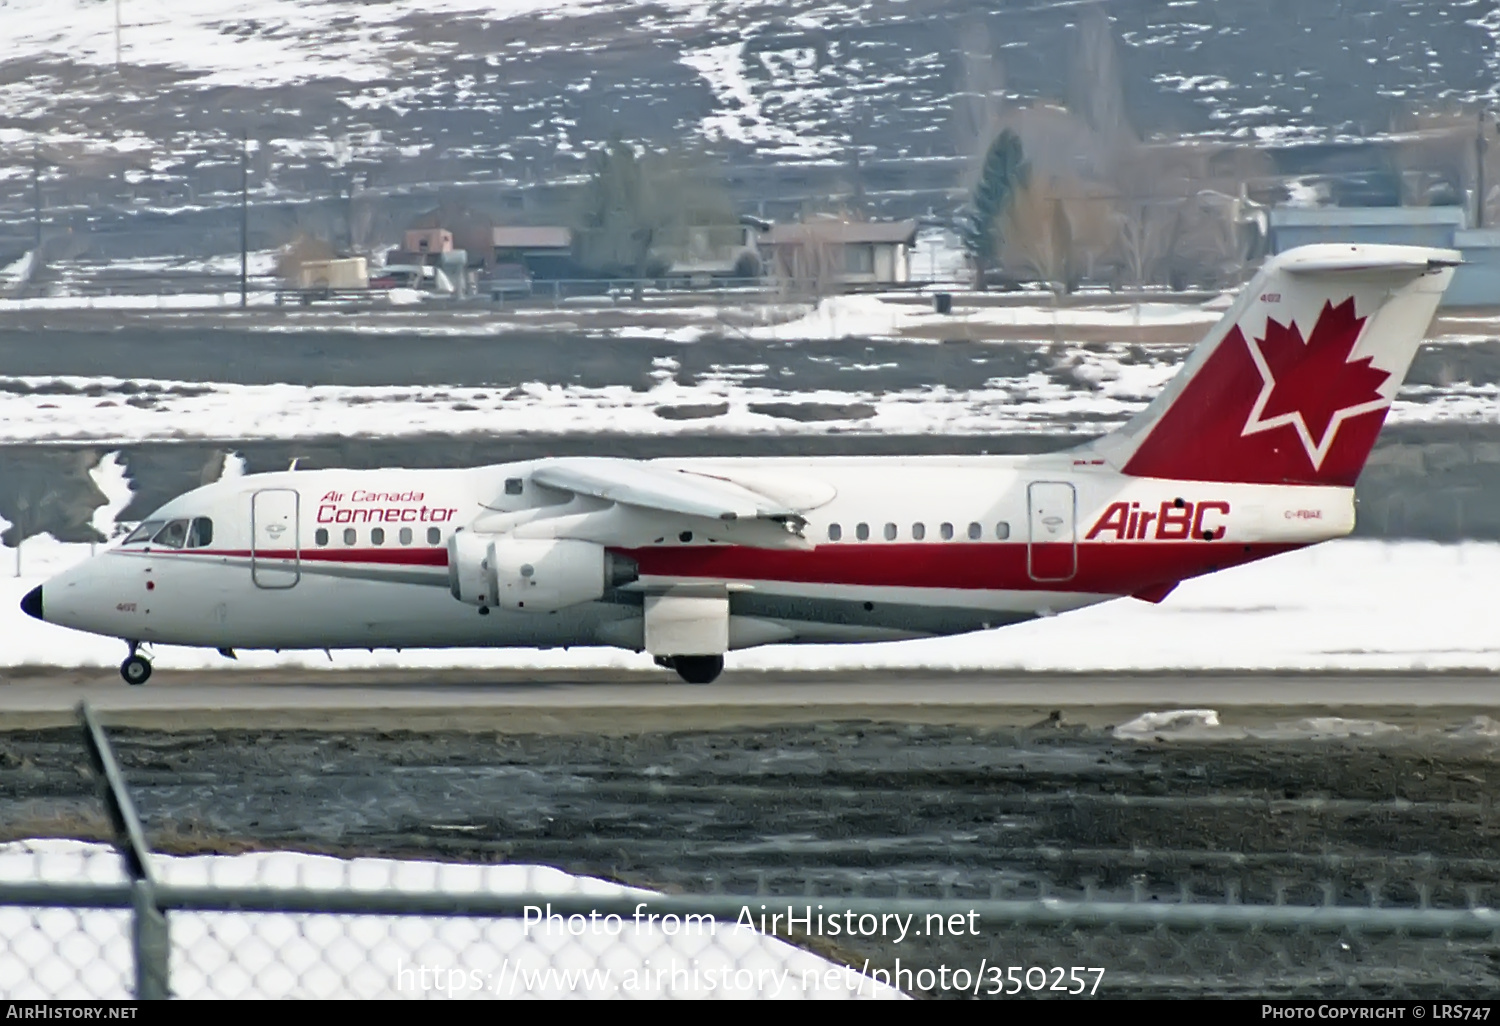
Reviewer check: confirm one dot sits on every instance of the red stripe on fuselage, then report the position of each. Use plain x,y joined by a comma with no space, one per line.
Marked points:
1110,568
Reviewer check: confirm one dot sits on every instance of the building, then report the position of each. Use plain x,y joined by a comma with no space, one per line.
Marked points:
428,240
1476,283
714,250
345,273
545,251
1407,226
831,251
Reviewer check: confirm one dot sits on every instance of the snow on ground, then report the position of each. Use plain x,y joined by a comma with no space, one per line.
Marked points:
271,43
77,954
17,271
1103,392
868,316
259,262
837,317
148,301
741,117
1350,604
98,410
1204,725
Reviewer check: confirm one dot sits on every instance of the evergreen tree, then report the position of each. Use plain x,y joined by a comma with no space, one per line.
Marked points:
1005,171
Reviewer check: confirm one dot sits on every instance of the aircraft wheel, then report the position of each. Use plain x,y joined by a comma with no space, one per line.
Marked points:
698,669
135,670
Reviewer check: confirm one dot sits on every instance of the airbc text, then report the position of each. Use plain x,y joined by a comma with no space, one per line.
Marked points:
1173,520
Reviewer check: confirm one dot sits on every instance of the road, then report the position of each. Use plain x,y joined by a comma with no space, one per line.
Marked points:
622,703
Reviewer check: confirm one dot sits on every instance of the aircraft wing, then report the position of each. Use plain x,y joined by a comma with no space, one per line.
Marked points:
668,489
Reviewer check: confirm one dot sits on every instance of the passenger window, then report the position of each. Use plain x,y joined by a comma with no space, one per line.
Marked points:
862,532
1002,530
142,533
946,531
835,532
173,536
320,536
349,536
405,536
918,531
513,486
434,536
975,532
377,536
890,532
201,534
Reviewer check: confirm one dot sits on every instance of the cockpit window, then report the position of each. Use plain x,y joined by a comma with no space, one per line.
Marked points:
142,533
201,533
173,536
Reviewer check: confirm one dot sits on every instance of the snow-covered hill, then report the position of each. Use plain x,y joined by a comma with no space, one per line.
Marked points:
470,90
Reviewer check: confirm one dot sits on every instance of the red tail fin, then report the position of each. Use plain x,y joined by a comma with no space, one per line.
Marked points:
1293,385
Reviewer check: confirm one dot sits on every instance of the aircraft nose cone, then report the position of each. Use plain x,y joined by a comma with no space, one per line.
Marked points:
31,604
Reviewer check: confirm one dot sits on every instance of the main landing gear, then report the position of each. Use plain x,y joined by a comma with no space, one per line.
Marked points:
699,669
136,669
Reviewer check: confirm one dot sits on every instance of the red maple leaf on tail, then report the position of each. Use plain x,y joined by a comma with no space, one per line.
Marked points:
1315,381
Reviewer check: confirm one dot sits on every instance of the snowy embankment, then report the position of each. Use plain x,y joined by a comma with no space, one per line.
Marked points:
87,954
1096,392
1351,604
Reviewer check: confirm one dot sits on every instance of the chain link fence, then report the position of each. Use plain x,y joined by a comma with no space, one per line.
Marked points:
81,920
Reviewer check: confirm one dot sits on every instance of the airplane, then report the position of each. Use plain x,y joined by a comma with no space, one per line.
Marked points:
1251,450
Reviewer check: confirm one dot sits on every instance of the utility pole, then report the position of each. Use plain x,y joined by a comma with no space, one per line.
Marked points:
117,37
36,192
244,219
1479,148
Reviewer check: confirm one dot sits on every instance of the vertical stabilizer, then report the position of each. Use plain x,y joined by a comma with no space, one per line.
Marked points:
1293,385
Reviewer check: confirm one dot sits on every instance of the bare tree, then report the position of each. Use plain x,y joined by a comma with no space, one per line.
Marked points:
813,264
1446,156
1059,231
1147,231
1096,88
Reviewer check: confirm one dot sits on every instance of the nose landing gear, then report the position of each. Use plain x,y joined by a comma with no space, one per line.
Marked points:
136,669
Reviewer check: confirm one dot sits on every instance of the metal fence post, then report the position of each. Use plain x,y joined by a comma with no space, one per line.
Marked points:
150,940
150,943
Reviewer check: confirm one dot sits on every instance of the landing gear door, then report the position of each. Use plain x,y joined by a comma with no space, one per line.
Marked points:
275,552
1052,544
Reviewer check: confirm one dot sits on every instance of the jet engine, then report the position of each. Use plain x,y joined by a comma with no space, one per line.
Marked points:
532,575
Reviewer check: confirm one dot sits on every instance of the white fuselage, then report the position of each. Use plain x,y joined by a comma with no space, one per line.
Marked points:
906,547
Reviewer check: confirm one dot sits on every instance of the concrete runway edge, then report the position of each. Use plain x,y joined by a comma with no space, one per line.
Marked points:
618,703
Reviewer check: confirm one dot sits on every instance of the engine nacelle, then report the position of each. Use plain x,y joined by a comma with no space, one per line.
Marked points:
532,575
471,570
544,575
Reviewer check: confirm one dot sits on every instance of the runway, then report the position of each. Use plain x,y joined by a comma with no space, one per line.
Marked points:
616,703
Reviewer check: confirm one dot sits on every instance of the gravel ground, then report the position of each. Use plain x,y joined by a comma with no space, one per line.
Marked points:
839,808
